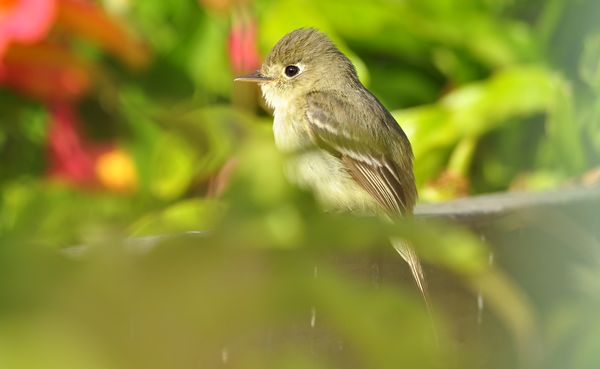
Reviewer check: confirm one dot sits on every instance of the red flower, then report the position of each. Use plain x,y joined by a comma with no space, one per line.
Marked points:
25,21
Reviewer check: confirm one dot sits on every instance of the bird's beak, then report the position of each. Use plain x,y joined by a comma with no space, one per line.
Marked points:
253,77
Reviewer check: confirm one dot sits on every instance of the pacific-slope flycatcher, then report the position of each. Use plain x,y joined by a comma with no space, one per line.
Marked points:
343,144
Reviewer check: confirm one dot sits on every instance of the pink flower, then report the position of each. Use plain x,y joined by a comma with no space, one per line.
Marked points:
72,158
243,52
25,21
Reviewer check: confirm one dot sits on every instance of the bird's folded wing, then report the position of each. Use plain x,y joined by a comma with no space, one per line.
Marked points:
334,126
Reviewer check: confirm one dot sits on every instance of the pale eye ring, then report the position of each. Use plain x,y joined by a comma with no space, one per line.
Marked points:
291,71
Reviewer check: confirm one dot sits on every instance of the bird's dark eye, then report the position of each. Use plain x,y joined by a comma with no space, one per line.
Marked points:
291,70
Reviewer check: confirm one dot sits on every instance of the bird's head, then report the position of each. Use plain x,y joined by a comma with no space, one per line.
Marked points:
304,60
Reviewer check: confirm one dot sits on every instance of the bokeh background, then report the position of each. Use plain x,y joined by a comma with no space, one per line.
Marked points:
145,221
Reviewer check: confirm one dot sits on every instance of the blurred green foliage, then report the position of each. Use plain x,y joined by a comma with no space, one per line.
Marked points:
494,95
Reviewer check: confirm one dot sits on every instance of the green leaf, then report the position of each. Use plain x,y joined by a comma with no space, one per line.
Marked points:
172,166
589,67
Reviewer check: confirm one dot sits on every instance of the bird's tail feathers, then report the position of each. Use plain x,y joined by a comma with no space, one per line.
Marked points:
412,259
409,255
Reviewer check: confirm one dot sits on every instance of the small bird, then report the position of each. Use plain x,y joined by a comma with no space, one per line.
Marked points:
341,142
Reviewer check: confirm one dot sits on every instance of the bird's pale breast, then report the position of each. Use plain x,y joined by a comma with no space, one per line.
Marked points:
314,169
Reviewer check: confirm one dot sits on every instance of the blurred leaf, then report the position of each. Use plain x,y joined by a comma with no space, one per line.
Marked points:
338,304
511,306
165,26
564,140
260,172
549,18
462,156
208,63
184,216
46,342
473,110
172,166
399,87
517,91
212,132
22,136
590,62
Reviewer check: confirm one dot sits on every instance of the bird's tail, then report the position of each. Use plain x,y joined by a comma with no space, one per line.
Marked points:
412,259
409,255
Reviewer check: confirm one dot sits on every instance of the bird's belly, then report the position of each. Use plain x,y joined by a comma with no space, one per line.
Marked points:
325,175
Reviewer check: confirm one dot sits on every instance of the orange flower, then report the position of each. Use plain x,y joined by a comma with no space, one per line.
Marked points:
89,20
116,171
45,71
25,21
